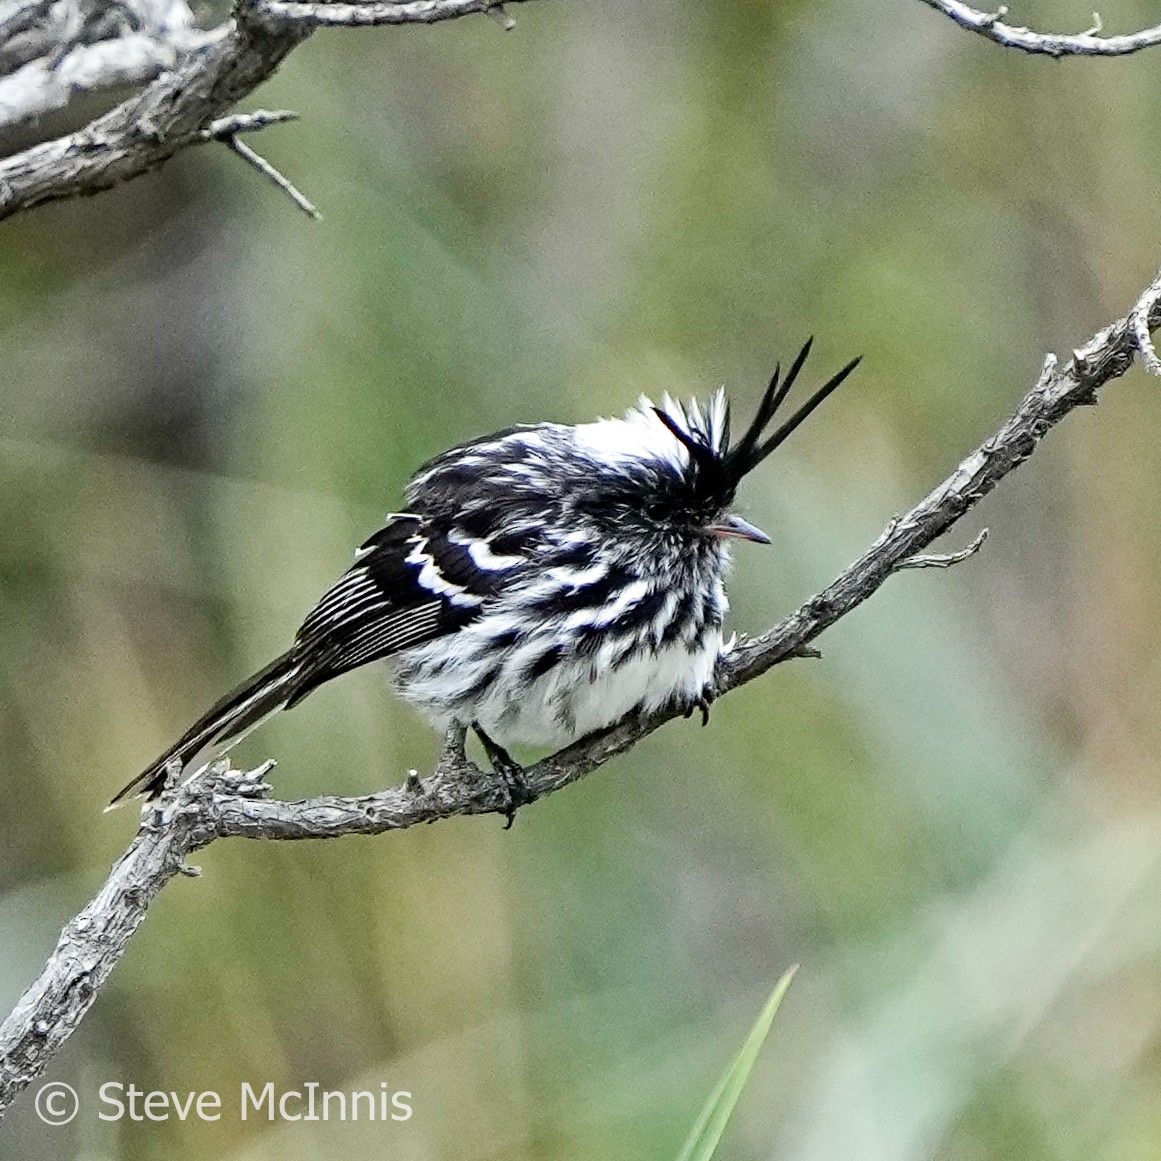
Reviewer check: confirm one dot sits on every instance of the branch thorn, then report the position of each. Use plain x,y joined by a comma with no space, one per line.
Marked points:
267,170
943,559
1098,26
227,129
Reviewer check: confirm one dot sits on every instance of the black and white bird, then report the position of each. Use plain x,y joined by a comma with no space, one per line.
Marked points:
542,583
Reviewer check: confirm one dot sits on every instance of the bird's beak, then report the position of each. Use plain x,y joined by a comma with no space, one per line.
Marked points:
732,525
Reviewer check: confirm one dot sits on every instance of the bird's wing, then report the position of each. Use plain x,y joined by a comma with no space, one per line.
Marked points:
414,580
383,603
411,582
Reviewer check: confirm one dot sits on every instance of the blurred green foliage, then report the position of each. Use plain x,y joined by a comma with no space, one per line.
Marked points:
952,821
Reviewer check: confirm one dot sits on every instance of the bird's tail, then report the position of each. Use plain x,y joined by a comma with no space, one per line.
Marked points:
224,724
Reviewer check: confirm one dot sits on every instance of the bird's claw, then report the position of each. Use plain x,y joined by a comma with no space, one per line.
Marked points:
518,791
703,703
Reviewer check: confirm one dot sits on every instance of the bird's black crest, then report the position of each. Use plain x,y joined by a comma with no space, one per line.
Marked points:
716,467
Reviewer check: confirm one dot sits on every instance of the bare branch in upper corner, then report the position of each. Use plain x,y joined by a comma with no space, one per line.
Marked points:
339,15
62,51
1087,43
204,76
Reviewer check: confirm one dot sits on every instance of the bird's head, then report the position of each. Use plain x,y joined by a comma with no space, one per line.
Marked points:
673,468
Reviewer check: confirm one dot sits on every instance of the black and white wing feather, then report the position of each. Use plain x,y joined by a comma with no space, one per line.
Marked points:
411,582
402,590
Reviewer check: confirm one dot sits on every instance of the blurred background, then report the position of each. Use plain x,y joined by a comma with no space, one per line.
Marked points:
952,821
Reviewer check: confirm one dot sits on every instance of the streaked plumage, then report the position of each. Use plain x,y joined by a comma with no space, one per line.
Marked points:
541,582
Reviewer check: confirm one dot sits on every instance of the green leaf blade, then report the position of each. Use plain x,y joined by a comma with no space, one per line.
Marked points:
711,1123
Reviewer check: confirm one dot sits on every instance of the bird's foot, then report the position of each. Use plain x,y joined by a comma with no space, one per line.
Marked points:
702,702
511,773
